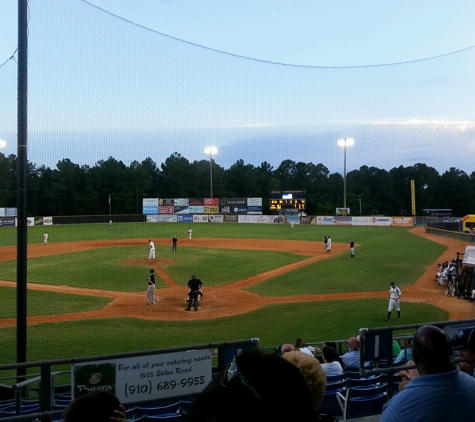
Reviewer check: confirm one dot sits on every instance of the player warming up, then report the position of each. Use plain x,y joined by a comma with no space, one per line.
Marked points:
45,238
194,285
151,288
151,247
190,233
394,293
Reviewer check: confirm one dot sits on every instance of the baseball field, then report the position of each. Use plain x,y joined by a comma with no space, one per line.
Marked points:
87,287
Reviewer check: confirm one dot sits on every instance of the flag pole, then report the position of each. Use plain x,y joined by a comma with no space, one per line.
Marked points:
110,212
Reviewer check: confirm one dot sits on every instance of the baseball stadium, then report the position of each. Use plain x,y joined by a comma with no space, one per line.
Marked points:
268,278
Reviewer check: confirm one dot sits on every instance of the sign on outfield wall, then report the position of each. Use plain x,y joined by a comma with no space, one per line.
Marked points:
325,220
145,378
403,221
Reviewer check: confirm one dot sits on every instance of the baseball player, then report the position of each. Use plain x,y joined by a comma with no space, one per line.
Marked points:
394,293
352,249
174,242
151,288
151,254
45,238
194,285
329,244
190,233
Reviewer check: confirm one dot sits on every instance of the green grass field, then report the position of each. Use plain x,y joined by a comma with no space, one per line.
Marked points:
385,254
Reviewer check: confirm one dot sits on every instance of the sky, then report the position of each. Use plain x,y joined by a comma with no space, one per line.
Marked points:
273,80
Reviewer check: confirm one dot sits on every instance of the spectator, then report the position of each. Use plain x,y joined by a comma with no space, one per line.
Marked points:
442,392
95,406
300,346
337,357
407,375
312,372
464,343
330,365
255,387
286,348
405,354
352,357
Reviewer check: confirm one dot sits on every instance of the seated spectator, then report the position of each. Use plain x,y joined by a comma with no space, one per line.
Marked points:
330,365
407,375
312,372
95,406
284,348
405,354
396,348
464,343
255,387
441,393
352,357
331,344
300,347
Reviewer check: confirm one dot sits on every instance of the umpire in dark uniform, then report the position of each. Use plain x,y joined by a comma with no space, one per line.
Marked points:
195,285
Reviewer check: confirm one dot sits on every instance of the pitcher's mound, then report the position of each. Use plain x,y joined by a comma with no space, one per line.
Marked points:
149,262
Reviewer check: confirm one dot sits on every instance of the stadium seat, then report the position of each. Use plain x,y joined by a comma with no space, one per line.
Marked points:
333,404
171,409
335,378
174,418
360,402
24,411
365,382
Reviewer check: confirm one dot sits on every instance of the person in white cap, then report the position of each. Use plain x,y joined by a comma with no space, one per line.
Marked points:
394,293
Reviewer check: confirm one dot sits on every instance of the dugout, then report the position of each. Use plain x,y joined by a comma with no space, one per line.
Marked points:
467,222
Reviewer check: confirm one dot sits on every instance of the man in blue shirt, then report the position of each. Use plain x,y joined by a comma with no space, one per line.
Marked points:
351,359
442,392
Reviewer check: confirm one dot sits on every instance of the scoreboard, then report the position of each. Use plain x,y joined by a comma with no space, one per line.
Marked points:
287,204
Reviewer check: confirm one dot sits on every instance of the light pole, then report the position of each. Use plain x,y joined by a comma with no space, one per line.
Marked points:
346,142
359,196
211,151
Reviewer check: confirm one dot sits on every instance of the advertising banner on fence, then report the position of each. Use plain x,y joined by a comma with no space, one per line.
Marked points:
372,221
215,218
150,206
211,209
253,209
163,218
308,220
145,378
325,220
166,202
47,221
254,202
181,209
166,209
232,218
184,218
200,219
8,212
342,220
211,202
342,211
7,222
196,201
403,221
196,209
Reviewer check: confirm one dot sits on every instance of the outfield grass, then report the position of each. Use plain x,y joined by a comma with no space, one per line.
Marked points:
386,254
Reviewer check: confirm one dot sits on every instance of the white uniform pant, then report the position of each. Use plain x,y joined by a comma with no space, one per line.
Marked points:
394,303
152,253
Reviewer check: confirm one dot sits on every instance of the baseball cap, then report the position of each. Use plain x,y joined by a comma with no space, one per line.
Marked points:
193,275
463,339
392,283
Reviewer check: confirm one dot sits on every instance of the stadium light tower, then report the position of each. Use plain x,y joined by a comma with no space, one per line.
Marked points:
211,151
346,142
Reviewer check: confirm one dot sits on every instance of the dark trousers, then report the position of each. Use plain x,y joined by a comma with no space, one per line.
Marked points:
174,247
193,300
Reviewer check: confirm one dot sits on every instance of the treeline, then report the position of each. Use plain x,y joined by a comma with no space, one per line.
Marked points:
71,189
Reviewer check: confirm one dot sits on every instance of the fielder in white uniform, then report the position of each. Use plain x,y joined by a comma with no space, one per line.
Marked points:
190,233
394,293
151,253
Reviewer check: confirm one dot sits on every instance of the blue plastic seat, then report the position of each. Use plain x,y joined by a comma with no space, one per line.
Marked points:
171,409
163,418
362,402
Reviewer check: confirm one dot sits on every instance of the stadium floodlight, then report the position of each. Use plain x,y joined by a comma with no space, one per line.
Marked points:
211,151
346,142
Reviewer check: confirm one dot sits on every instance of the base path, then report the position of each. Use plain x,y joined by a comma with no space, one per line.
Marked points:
230,299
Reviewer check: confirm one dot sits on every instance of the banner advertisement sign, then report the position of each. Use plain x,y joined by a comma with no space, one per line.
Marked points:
403,221
278,219
342,220
196,209
225,209
30,221
181,209
254,202
181,202
215,218
150,202
260,219
211,209
162,218
196,201
166,209
239,210
211,202
145,378
47,221
8,212
150,209
309,220
253,209
236,201
232,218
294,219
38,221
7,222
325,220
185,218
200,219
166,202
342,211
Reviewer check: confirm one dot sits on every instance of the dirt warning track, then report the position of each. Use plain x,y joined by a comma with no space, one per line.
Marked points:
230,299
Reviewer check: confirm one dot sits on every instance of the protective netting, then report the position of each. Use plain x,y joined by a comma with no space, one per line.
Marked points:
100,86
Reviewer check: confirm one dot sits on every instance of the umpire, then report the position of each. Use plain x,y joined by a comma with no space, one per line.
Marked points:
195,285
